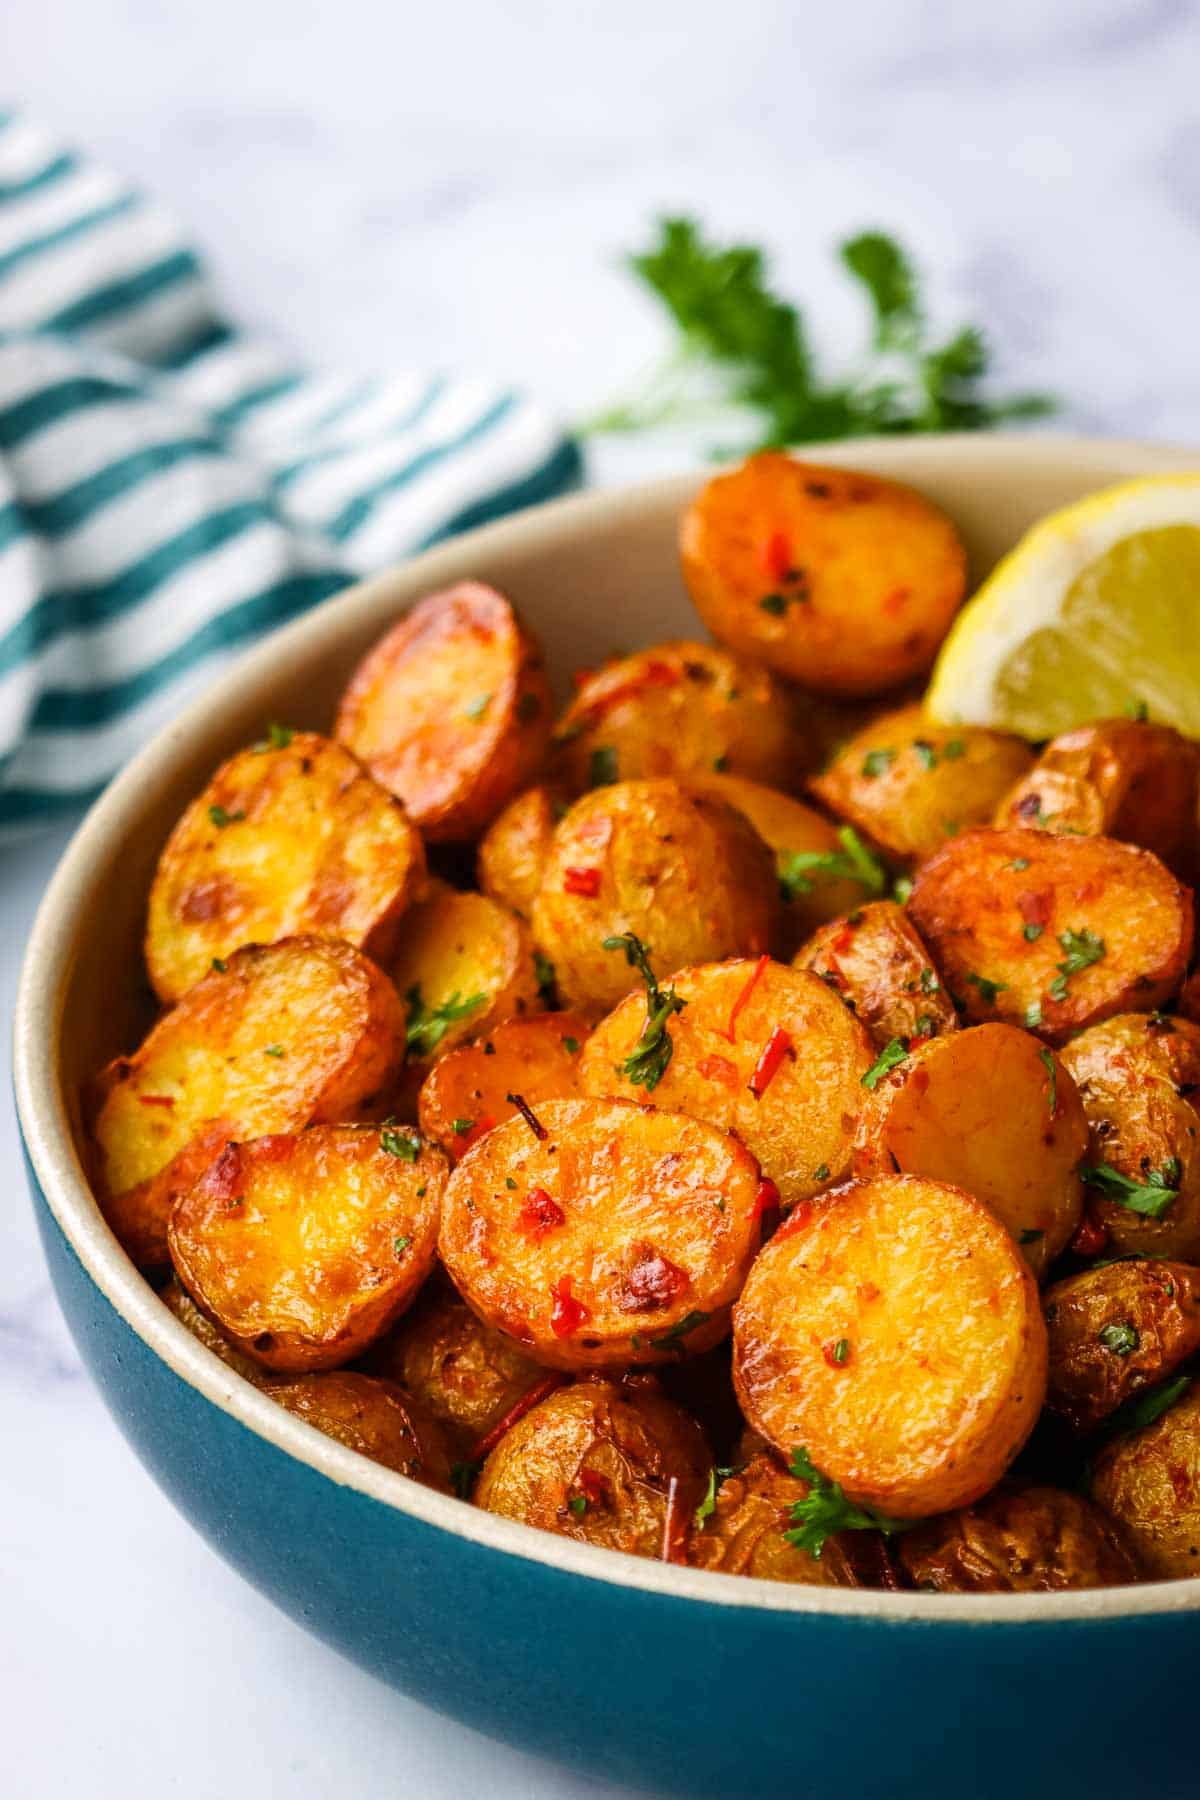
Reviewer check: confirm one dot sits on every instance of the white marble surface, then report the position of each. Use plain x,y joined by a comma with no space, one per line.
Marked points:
388,184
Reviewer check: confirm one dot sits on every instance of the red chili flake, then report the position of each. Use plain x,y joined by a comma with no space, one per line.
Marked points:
581,677
674,1539
654,674
1036,907
766,1200
594,1487
566,1313
530,1117
479,1129
776,556
718,1068
843,941
653,1282
896,600
743,997
584,882
156,1100
921,1037
800,1215
536,1394
278,1147
777,1046
539,1215
1090,1238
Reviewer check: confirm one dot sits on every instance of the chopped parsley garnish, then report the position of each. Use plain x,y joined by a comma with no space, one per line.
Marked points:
1083,948
460,1127
462,1478
776,604
902,889
221,818
427,1026
1032,933
720,763
1033,1015
509,1182
1137,709
543,969
278,738
476,708
220,965
925,752
952,749
647,1062
602,766
1150,1198
1030,1235
1051,1068
798,869
821,1172
570,1045
1144,1409
877,762
578,1504
1018,863
273,1049
841,1350
929,981
893,1053
825,1510
988,989
400,1143
1122,1339
400,1245
673,1339
716,1479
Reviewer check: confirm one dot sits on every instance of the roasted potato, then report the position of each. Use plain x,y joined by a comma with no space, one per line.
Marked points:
1116,1330
1033,1540
374,1417
1052,933
466,1376
282,1036
1149,1480
679,709
599,1233
892,1330
760,1049
685,872
515,847
908,784
450,710
874,958
1189,997
464,964
1139,1078
289,837
746,1534
1119,778
467,1093
618,1466
840,580
303,1248
177,1300
992,1111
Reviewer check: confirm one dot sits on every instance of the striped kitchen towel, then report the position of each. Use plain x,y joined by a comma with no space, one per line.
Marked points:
170,488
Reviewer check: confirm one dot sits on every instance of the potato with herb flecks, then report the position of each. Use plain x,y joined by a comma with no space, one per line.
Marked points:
683,871
464,964
466,1094
304,1247
285,1035
1035,1540
603,1463
840,580
992,1111
1148,1479
288,837
758,1048
515,846
875,960
374,1417
450,710
596,1233
892,1331
1115,1331
908,784
1052,933
745,1529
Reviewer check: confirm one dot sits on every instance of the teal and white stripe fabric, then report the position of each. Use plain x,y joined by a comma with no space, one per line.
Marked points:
170,489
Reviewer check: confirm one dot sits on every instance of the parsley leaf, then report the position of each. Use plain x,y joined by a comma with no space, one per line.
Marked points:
708,1506
1122,1339
647,1062
427,1026
825,1510
853,862
895,1052
877,762
602,766
1150,1198
400,1143
400,1245
1145,1408
278,738
1083,948
673,1339
221,818
1051,1068
543,969
987,989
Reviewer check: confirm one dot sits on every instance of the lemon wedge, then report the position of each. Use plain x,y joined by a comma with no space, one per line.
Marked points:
1095,613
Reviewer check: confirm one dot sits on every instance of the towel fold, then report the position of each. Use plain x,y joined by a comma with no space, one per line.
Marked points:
171,489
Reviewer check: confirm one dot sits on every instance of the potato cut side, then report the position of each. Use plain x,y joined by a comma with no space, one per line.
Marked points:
450,710
374,1417
285,1035
760,1049
304,1247
289,837
467,1093
893,1331
874,958
1149,1482
464,964
839,580
602,1233
1052,933
992,1111
514,849
1115,1331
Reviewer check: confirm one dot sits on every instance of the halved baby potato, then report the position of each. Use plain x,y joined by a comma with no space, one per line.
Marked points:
284,1035
837,579
450,710
1115,1331
908,784
289,837
304,1247
467,1093
678,709
1053,933
464,964
597,1233
760,1049
892,1330
685,872
746,1534
515,847
992,1111
874,958
374,1417
1034,1540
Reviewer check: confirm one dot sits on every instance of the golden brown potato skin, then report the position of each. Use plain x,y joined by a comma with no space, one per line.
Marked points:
861,576
1116,1330
1188,1005
874,958
1119,778
374,1417
1034,1540
456,947
1139,1078
684,871
463,1373
177,1300
284,840
799,1126
515,846
1150,1483
286,1035
305,1247
450,710
679,709
908,784
745,1534
993,907
466,1094
614,1448
982,1111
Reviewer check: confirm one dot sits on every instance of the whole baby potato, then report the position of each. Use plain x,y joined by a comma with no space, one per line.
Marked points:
515,846
746,1534
1032,1540
374,1417
1149,1481
1115,1331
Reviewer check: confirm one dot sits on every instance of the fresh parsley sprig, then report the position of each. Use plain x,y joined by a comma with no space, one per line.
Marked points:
825,1510
647,1062
1151,1197
1083,948
799,869
428,1025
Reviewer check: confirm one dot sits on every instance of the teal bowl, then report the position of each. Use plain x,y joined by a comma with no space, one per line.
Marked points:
668,1679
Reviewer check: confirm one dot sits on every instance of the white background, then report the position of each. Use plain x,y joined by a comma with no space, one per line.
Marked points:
391,185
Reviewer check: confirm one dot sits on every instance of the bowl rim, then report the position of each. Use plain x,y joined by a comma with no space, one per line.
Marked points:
46,1129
